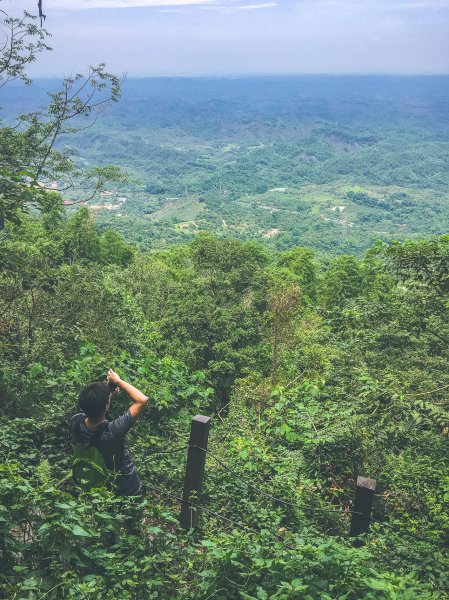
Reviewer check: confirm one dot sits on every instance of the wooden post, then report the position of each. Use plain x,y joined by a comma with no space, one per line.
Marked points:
363,504
193,482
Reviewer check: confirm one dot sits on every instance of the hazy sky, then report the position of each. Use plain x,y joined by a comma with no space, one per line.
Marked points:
202,37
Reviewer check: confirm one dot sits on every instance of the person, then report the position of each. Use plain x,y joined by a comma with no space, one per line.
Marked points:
94,401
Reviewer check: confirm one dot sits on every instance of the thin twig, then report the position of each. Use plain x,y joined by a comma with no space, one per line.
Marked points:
430,392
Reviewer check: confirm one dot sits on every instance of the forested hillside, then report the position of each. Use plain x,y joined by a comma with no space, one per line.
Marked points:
315,367
312,374
332,163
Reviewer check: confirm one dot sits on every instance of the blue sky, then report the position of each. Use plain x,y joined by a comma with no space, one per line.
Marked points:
225,37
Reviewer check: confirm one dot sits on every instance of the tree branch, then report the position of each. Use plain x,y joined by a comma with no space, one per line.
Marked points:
41,14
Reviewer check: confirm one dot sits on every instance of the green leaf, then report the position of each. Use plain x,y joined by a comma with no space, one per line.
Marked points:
261,593
19,568
80,532
377,584
35,369
291,436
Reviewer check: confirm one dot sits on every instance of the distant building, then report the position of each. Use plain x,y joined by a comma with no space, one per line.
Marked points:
68,202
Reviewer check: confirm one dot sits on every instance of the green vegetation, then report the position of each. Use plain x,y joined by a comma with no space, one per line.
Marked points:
315,369
272,159
312,373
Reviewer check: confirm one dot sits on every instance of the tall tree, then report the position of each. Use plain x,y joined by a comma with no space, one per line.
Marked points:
30,153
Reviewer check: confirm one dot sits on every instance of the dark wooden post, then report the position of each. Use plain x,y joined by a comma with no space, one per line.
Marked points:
193,482
363,504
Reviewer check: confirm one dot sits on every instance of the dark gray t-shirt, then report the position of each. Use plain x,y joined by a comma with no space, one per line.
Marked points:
112,447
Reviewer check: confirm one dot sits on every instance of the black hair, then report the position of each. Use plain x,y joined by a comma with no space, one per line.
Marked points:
94,398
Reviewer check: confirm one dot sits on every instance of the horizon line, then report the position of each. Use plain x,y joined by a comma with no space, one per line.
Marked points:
257,75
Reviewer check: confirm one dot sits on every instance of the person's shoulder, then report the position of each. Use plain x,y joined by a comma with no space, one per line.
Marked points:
124,419
119,426
76,418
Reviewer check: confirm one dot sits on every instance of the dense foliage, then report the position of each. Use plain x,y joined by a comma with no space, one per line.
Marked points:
313,374
314,369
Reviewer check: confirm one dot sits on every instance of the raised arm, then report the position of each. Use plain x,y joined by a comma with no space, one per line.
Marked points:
139,399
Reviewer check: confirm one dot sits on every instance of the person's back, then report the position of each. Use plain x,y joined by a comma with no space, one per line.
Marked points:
90,426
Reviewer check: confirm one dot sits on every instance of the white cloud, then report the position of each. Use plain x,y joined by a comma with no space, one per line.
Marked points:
61,5
341,5
255,6
211,37
229,7
89,4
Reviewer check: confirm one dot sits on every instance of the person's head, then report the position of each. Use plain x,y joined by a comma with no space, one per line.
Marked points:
94,399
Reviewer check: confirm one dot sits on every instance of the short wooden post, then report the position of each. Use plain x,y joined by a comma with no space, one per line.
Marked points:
363,504
193,482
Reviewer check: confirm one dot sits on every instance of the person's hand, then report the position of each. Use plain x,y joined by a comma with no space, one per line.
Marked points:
114,377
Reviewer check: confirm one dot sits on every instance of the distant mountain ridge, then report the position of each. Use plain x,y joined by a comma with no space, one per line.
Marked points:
221,146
